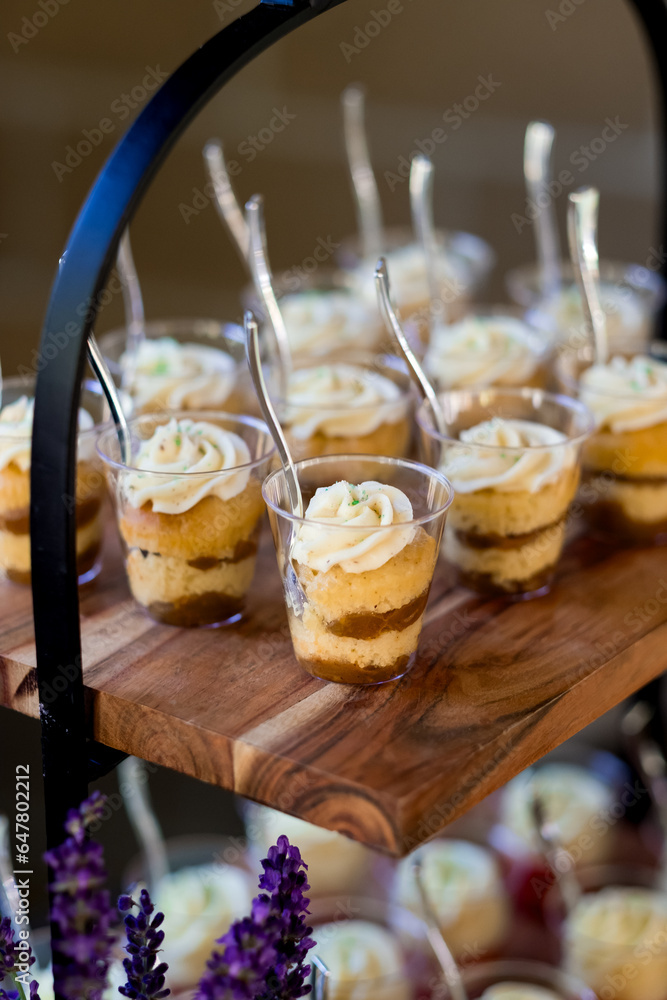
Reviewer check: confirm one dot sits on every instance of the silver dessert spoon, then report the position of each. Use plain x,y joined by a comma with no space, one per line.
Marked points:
320,978
537,149
226,202
582,225
440,947
133,785
260,268
393,325
556,856
367,196
650,761
98,364
422,174
135,318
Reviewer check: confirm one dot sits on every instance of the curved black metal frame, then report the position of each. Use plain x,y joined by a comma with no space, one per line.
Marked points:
82,274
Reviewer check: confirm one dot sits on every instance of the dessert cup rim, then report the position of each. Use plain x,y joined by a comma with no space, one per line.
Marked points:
574,384
567,402
376,459
393,372
654,289
90,385
481,260
233,418
173,326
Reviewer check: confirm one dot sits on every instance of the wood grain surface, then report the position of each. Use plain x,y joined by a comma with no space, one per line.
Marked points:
496,686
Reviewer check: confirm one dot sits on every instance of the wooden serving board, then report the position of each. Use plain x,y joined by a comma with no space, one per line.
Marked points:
496,686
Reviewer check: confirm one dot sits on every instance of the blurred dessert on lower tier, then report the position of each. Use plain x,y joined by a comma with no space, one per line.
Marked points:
518,991
336,864
189,512
486,349
343,408
624,489
16,422
179,364
615,940
364,961
464,886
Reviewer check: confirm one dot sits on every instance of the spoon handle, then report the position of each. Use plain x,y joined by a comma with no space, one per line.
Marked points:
422,175
261,272
255,364
537,171
134,304
133,783
369,209
582,225
440,947
393,325
98,364
226,202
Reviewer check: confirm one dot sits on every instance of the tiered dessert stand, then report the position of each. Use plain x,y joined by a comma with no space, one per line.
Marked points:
496,686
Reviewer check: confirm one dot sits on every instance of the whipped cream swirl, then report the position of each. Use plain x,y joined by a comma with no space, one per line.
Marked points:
364,961
341,400
480,350
455,873
623,308
178,376
409,278
518,991
619,916
183,462
16,432
354,527
626,395
507,456
320,322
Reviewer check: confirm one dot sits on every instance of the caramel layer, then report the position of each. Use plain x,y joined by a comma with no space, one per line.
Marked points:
370,625
243,550
485,584
195,612
491,541
84,563
349,673
610,519
18,521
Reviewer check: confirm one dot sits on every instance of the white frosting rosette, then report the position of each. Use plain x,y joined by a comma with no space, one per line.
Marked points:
572,799
626,394
16,433
465,889
483,351
507,456
408,276
179,376
343,527
616,939
184,461
320,322
341,400
364,961
626,315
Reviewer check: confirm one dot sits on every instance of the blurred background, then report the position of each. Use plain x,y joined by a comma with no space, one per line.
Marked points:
575,64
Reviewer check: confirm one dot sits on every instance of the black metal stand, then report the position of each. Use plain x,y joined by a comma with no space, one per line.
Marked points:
82,274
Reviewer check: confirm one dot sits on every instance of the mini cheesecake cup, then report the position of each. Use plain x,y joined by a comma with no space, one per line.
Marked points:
359,628
194,568
507,542
391,434
477,979
158,393
624,473
89,498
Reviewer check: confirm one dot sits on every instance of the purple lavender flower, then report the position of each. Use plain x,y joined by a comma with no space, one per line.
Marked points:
8,968
81,911
263,954
145,979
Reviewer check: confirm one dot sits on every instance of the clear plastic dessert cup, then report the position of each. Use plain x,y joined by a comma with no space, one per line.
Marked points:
324,317
631,297
615,937
624,463
513,457
373,950
357,568
15,459
182,364
515,979
494,346
190,536
363,406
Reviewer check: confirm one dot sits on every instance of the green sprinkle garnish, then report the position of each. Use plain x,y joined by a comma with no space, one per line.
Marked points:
353,503
177,440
